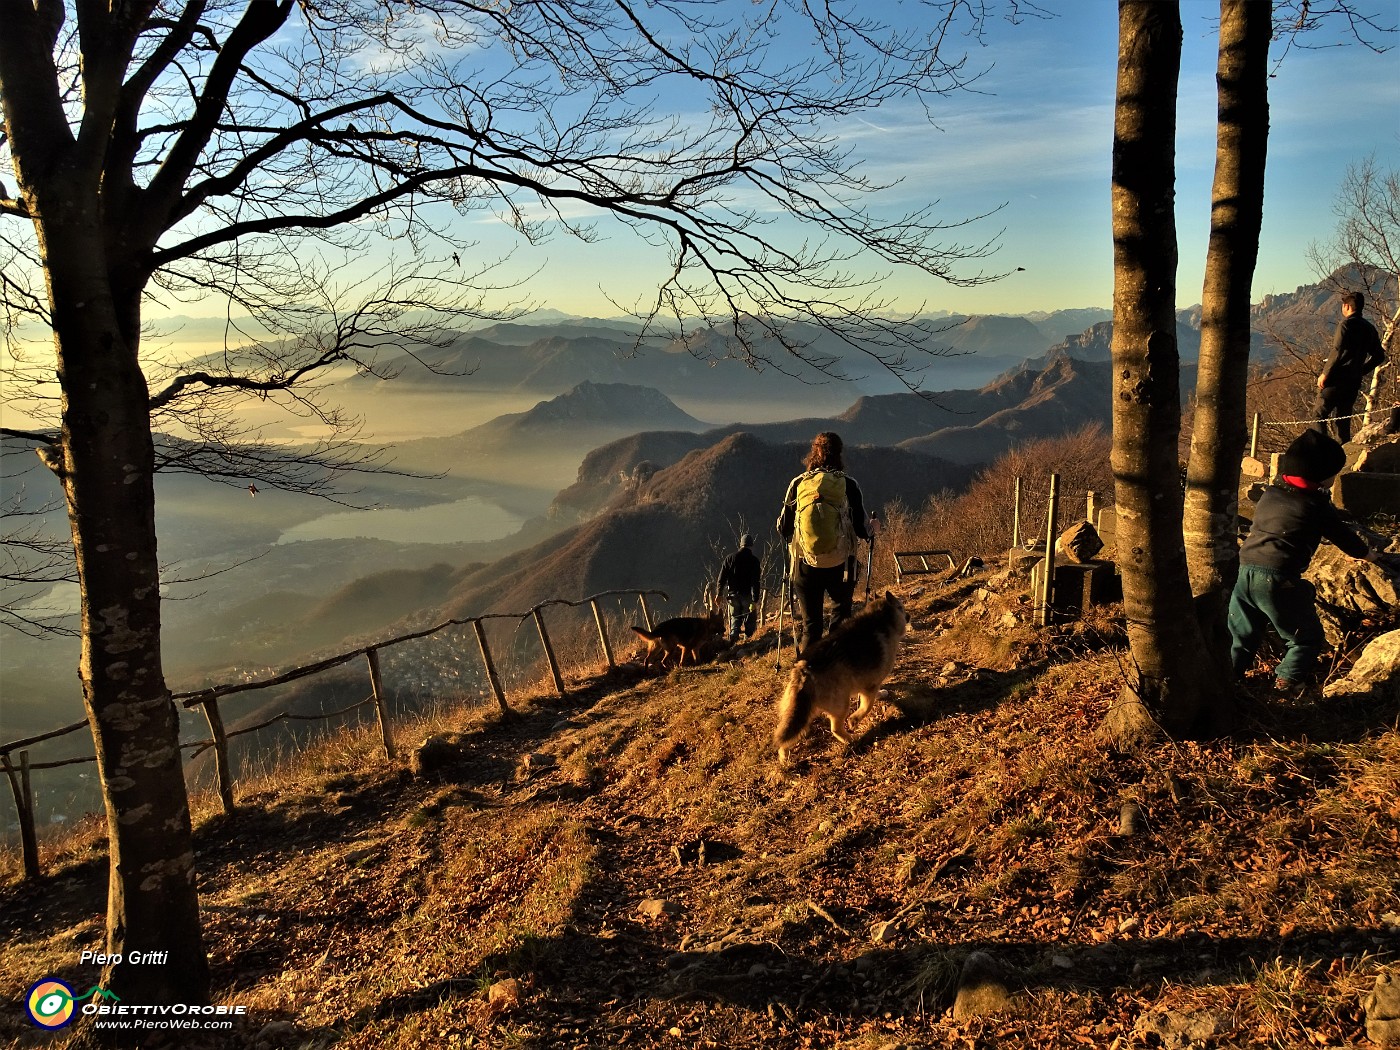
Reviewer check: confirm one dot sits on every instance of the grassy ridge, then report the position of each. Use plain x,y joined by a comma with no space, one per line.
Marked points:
630,867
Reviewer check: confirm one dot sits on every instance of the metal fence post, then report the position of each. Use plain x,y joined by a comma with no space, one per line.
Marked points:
1045,613
1015,517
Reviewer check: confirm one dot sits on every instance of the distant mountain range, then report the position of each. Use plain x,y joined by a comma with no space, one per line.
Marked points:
534,444
555,356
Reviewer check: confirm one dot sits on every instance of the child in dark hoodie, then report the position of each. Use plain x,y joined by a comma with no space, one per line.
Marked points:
1291,518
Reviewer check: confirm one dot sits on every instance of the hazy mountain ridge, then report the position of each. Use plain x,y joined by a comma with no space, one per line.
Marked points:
512,446
706,364
1022,404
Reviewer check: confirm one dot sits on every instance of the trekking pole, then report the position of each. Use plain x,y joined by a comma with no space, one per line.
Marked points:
870,553
783,602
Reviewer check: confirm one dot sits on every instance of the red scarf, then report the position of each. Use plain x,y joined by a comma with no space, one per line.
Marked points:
1297,482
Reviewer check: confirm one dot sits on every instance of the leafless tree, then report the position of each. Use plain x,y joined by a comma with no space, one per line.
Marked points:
256,150
1364,255
1172,620
1170,682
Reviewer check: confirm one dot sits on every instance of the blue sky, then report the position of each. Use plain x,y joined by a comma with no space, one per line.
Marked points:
1036,137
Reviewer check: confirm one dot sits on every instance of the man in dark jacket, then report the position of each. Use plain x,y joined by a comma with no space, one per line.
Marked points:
739,579
1356,350
812,583
1292,517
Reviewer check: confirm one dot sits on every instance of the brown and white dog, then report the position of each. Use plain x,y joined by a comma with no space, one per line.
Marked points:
849,664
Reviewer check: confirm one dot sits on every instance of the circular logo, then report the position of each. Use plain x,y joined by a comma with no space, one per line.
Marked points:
50,1004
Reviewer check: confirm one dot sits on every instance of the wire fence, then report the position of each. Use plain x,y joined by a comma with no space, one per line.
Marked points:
1381,414
18,769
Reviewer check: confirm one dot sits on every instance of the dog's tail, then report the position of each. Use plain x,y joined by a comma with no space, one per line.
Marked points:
650,636
795,707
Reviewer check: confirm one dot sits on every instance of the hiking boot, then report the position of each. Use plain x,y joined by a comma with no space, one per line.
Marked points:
1289,689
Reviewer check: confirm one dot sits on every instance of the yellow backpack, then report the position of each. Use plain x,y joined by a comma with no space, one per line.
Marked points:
823,535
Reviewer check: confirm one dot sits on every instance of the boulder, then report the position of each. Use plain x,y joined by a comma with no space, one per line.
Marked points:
1383,458
1252,468
1079,543
1365,493
1376,672
504,994
1382,1006
656,908
982,988
436,754
1181,1029
1350,591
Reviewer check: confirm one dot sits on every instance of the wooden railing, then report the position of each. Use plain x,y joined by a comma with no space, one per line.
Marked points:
208,701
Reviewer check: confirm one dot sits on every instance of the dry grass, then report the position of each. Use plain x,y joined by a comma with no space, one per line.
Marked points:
837,898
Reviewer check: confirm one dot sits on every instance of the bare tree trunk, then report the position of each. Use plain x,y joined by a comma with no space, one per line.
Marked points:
1164,690
1237,210
108,467
94,270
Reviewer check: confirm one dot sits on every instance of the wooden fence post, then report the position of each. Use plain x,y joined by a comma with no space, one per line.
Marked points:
1016,517
1045,613
491,674
386,730
646,613
549,651
1254,437
223,770
1091,508
603,634
24,808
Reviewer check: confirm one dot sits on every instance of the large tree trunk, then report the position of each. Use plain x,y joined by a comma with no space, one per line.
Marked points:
107,475
95,272
1237,211
1164,690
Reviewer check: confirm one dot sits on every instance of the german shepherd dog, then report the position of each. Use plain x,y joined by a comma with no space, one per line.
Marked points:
681,636
849,663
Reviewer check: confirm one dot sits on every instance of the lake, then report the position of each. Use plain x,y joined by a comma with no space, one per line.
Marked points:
463,521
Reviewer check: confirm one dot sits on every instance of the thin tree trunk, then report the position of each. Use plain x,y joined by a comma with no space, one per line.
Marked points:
1237,210
1163,692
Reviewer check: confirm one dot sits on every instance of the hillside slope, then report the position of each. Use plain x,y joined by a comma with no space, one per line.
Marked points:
670,528
630,867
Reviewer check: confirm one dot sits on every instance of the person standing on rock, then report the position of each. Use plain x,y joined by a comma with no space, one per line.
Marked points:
1356,350
1292,517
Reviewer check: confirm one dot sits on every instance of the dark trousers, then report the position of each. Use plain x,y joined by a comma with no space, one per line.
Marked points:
742,616
1333,402
1264,597
812,586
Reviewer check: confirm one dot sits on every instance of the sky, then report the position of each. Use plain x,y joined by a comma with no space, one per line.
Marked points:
1032,144
1035,141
